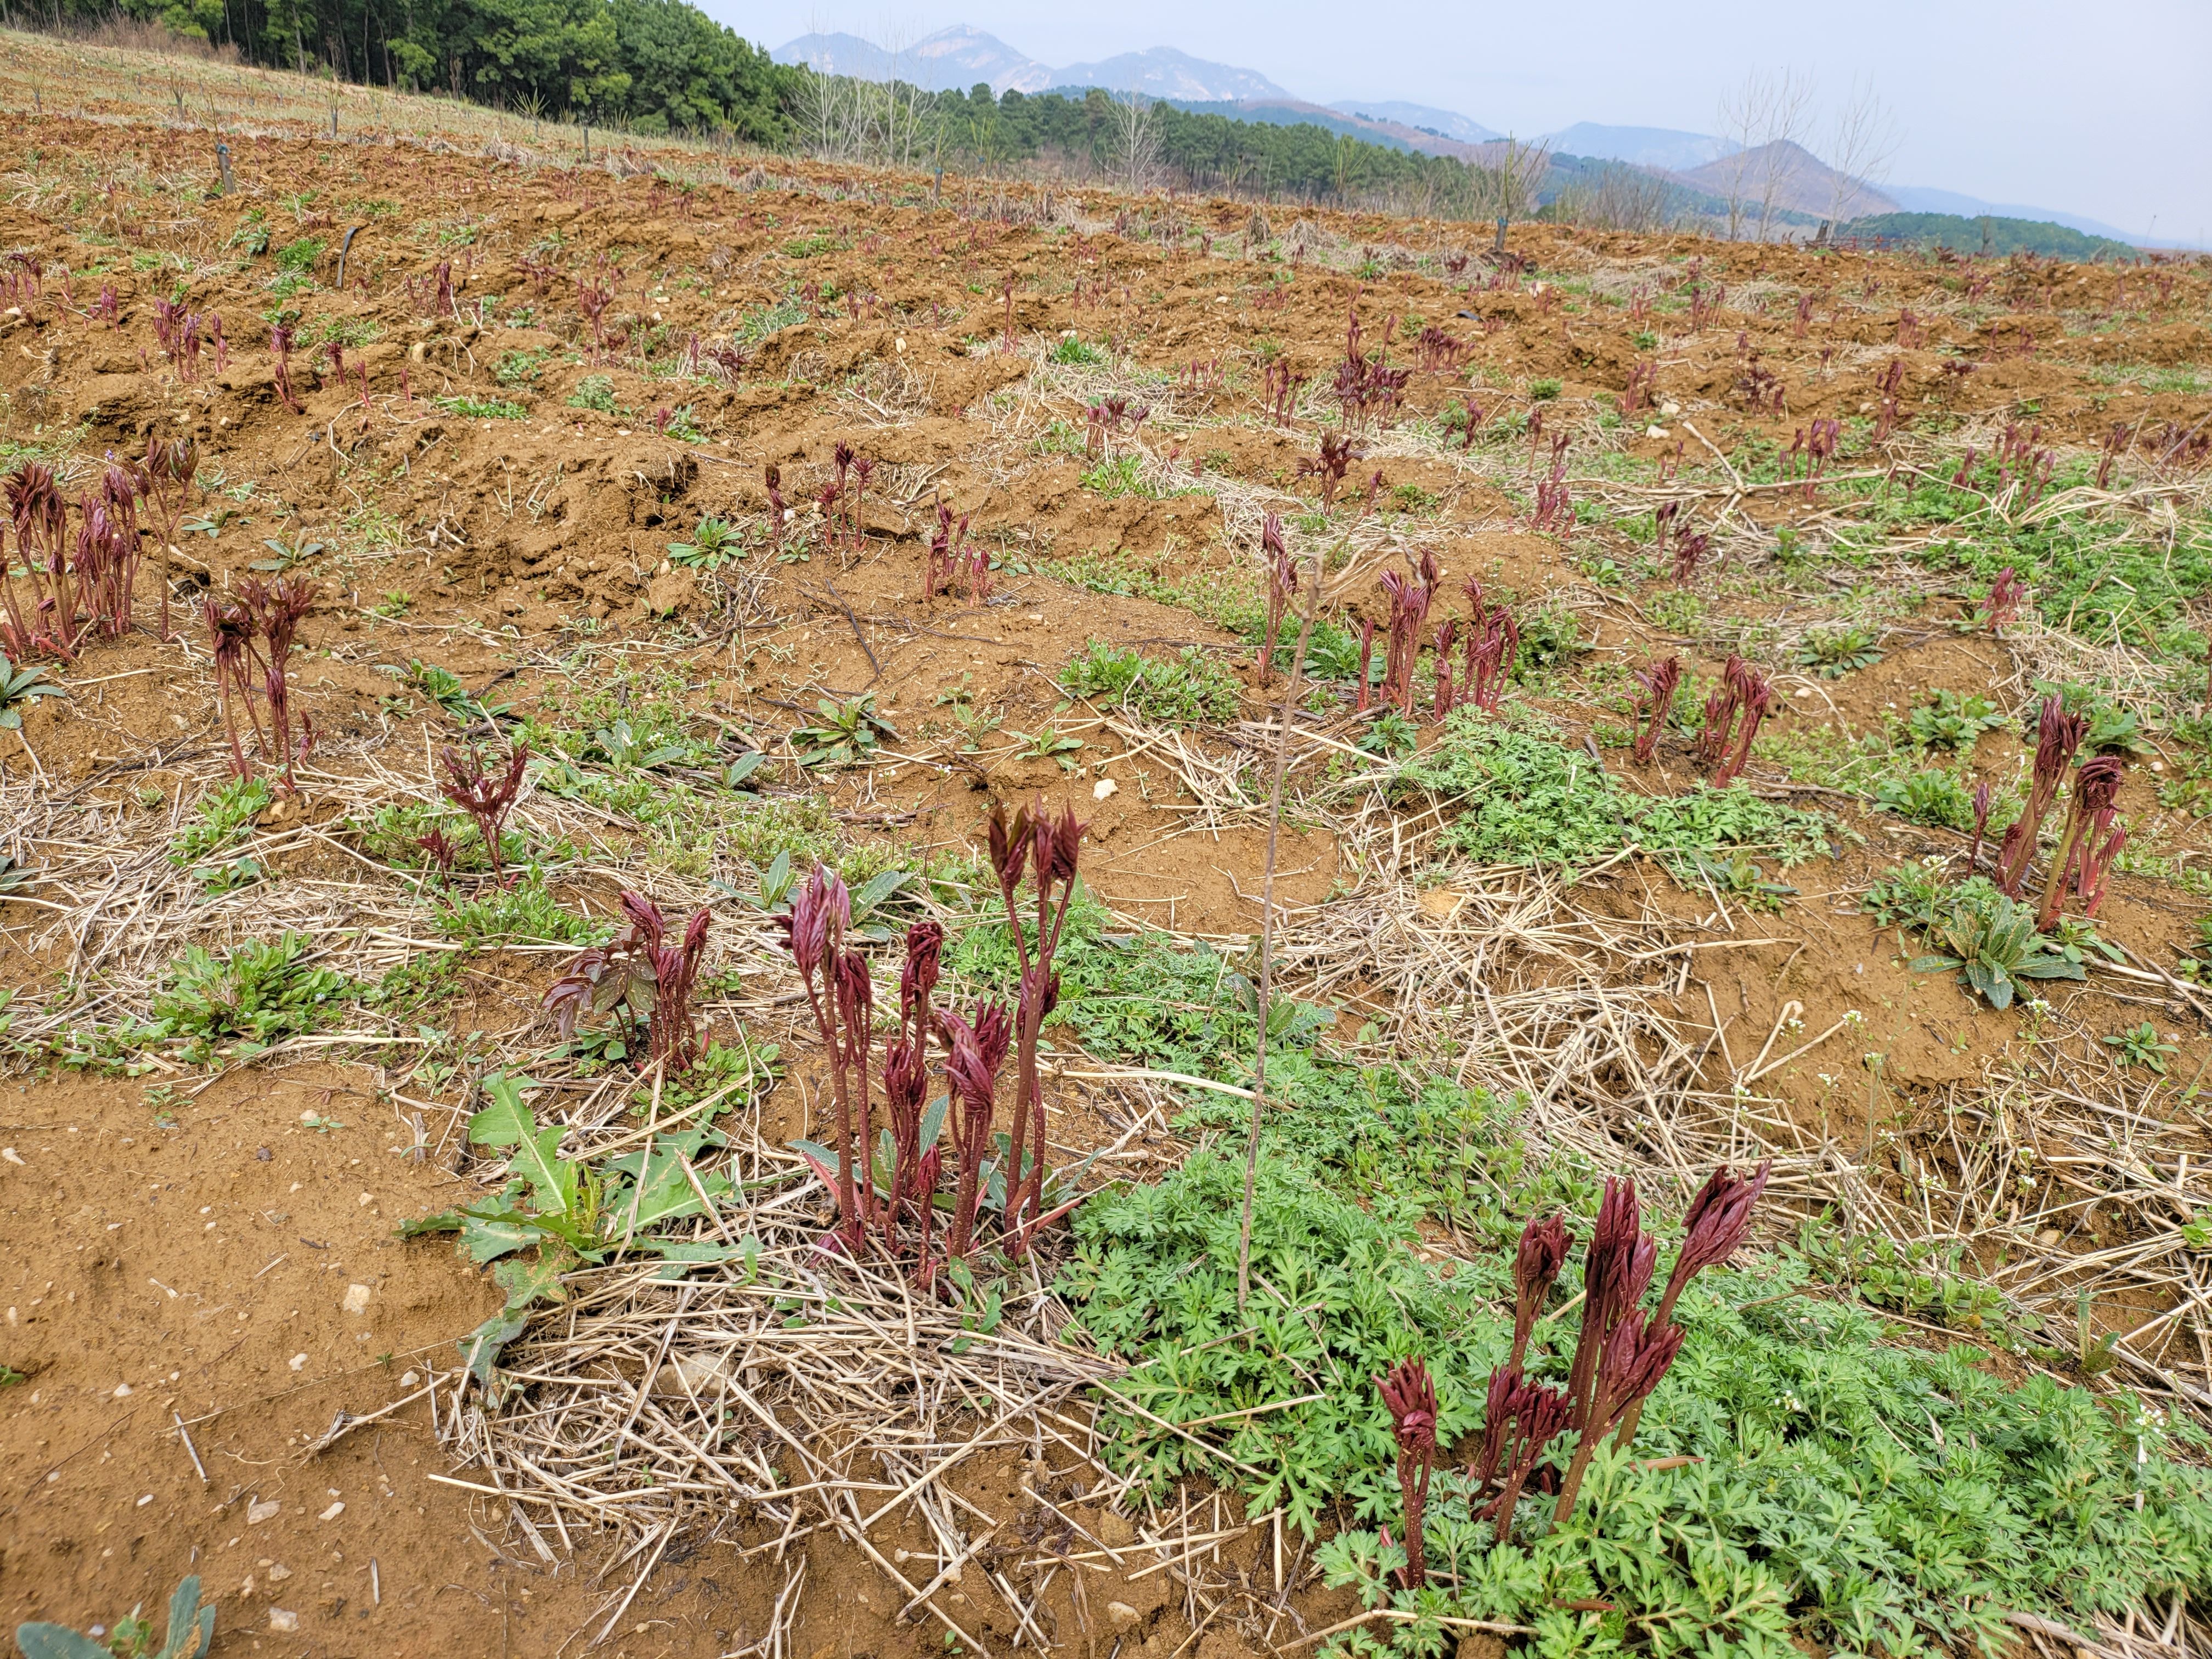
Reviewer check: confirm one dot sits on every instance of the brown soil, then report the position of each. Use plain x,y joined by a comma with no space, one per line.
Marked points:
222,1265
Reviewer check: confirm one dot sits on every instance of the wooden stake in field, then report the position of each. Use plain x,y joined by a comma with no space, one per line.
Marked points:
1291,688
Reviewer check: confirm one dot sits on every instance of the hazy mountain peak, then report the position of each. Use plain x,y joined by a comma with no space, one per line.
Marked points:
1795,178
1164,72
1643,147
1422,118
953,59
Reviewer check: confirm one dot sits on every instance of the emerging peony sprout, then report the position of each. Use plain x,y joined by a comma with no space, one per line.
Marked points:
675,968
2058,734
1493,642
1282,584
1411,1399
1409,610
2003,601
1659,682
821,912
1743,691
1536,1264
2088,844
1048,846
978,1050
906,1086
1520,1418
487,797
169,469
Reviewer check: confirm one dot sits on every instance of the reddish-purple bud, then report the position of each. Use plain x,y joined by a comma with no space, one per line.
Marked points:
1713,1226
1411,1397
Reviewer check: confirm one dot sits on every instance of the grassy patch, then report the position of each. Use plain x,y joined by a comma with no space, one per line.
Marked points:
1525,798
259,993
483,409
1190,689
1843,1494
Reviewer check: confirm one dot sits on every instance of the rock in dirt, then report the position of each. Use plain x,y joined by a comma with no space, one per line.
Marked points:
692,1374
1121,1614
282,1621
266,1510
671,591
356,1300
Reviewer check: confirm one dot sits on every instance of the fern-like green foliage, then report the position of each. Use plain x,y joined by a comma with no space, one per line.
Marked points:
1848,1493
1525,798
1136,997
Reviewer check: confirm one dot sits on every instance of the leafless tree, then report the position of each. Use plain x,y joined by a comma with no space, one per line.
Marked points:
1764,118
1506,178
1861,140
844,118
1620,197
1136,142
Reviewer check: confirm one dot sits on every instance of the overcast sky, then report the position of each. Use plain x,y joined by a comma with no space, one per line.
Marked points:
2104,110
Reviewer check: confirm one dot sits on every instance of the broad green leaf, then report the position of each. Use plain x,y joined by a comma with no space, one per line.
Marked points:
488,1239
527,1283
57,1642
508,1119
446,1221
192,1626
481,1348
507,1122
875,890
663,1193
775,881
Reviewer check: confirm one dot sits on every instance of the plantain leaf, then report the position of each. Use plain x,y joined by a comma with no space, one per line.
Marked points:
192,1626
507,1122
527,1283
57,1642
875,890
486,1238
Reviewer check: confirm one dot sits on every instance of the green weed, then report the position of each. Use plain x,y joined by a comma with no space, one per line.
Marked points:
525,913
1193,688
227,815
517,368
1948,721
1835,652
1526,800
261,992
483,409
714,543
594,391
1845,1492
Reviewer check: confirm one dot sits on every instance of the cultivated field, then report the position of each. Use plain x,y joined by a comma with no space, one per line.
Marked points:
458,597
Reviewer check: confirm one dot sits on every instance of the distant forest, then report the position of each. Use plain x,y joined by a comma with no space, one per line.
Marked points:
655,66
665,67
1985,234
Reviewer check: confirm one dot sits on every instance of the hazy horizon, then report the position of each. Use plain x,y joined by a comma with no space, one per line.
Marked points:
2020,104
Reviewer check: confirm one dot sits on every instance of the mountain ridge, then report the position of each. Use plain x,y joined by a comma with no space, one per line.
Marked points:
957,57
